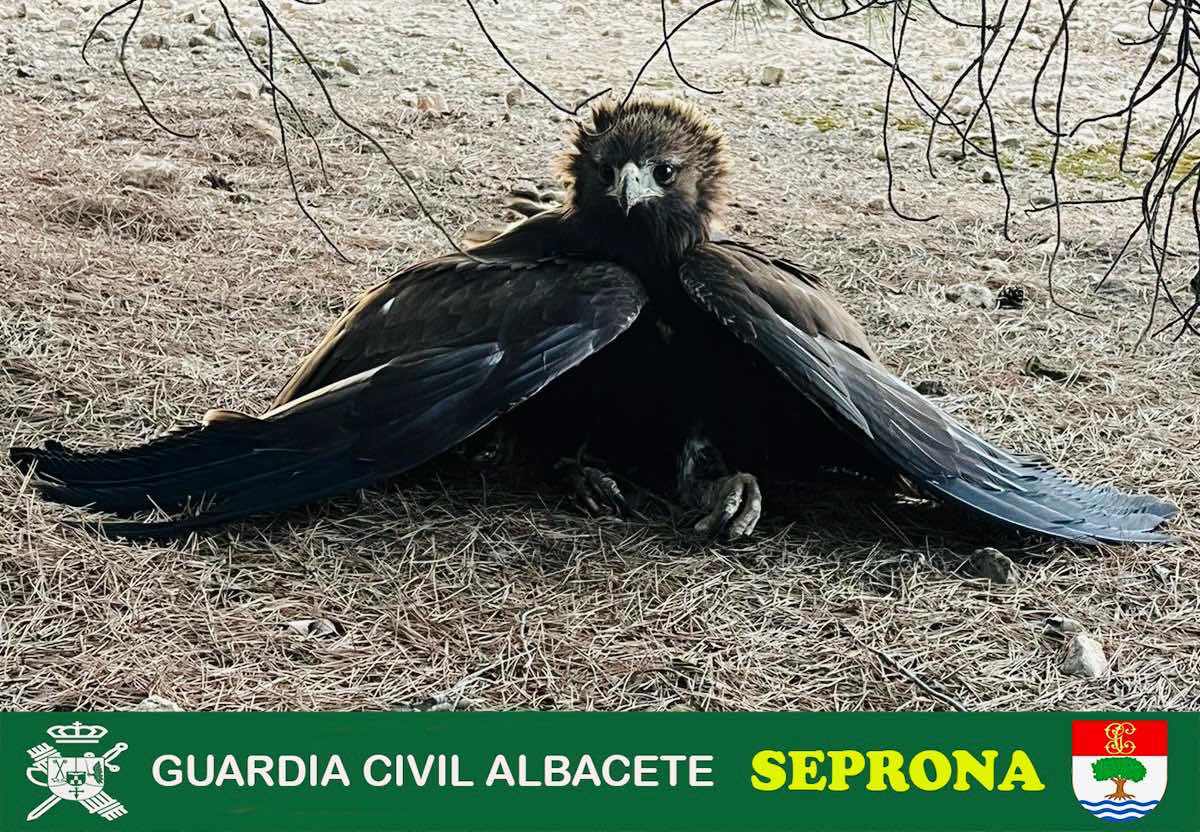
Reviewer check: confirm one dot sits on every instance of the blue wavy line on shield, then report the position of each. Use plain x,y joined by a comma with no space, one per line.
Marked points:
1119,804
1119,818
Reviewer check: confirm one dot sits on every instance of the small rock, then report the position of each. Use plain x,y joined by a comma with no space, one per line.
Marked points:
431,103
877,205
104,35
1085,657
881,153
193,17
772,76
964,107
987,175
195,41
1063,626
14,11
993,565
1042,200
154,40
950,64
909,143
931,388
217,31
1128,31
246,91
954,154
514,96
150,174
414,173
972,295
313,627
26,71
994,264
348,64
1012,297
1032,40
156,704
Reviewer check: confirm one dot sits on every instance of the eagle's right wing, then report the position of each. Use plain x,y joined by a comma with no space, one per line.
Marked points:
420,363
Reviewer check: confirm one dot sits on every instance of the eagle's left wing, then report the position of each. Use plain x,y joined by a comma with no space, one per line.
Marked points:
797,326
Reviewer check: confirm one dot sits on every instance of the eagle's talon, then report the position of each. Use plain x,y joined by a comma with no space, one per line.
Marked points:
735,504
596,492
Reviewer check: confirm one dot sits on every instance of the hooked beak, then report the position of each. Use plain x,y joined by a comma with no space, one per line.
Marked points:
632,185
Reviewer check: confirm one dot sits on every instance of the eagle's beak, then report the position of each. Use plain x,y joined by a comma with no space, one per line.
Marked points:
633,185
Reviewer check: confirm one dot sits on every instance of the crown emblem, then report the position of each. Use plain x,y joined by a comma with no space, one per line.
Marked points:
77,732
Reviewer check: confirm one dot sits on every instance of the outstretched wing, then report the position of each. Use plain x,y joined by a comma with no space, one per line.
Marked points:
789,318
420,363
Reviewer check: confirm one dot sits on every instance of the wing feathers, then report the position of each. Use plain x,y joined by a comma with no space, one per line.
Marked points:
784,314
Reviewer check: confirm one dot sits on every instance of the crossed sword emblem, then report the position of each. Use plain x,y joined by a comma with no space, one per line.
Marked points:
102,804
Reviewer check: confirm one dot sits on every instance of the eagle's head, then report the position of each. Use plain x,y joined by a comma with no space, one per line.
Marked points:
656,166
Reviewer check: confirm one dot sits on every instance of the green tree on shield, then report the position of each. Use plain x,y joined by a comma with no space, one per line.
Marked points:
1120,770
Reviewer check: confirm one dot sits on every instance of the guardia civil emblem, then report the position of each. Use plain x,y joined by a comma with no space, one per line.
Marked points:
1119,766
78,779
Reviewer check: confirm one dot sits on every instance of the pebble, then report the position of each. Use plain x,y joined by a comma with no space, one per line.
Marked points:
987,175
246,91
772,76
216,31
972,295
877,205
156,704
154,40
195,41
994,264
431,103
993,565
514,96
345,62
150,174
1085,657
930,388
1128,31
1063,626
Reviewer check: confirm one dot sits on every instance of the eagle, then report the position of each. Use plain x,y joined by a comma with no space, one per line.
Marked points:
622,322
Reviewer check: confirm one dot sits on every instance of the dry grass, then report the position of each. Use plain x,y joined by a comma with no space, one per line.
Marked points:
125,310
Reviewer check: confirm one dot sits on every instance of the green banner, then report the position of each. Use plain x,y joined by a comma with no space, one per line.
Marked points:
602,771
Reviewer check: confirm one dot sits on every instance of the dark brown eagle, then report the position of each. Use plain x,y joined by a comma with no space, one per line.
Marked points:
621,321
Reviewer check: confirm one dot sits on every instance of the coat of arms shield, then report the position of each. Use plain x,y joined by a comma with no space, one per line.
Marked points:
1119,766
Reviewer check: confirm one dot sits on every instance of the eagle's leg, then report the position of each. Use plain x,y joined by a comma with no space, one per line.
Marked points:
732,502
595,491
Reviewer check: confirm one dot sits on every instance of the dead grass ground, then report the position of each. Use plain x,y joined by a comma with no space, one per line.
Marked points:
127,309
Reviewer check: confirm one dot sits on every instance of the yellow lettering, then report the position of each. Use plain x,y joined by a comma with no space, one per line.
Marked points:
769,773
984,771
1021,770
918,772
843,764
804,768
886,764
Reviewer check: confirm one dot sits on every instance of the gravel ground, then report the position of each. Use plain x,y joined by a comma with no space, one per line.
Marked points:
145,278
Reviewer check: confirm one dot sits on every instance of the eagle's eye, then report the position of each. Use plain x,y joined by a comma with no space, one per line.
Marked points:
664,173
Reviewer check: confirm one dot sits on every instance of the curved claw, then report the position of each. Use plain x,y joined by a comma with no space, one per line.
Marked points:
595,491
735,504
